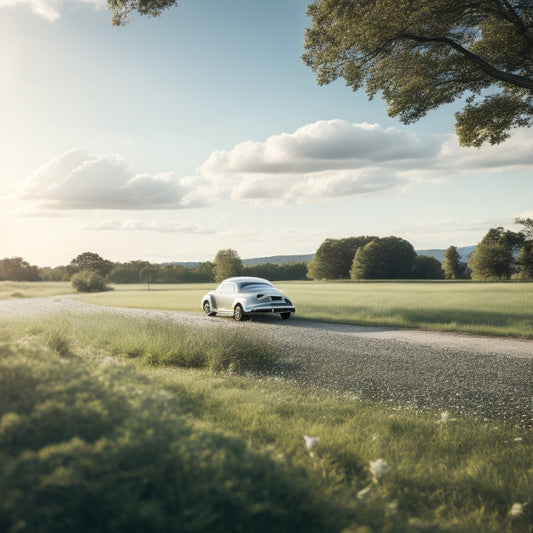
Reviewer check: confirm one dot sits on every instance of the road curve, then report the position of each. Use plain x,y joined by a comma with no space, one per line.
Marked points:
483,376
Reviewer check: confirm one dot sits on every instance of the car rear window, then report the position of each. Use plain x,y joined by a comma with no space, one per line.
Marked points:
252,287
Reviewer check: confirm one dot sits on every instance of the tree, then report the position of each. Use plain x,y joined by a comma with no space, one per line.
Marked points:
452,266
427,267
525,258
227,264
150,274
17,269
385,258
334,258
127,272
89,281
421,54
122,8
275,272
92,261
494,256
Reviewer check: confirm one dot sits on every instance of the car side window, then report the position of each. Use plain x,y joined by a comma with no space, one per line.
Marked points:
228,289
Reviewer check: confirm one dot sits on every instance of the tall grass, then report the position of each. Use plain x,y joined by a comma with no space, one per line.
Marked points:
97,449
157,342
98,425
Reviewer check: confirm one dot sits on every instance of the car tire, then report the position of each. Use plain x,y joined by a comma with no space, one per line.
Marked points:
284,316
207,308
238,313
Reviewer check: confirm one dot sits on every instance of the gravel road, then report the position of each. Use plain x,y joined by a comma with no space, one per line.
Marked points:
486,377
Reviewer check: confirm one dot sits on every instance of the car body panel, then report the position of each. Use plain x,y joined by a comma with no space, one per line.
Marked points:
254,295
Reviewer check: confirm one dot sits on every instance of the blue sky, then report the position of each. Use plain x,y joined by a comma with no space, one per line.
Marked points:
171,138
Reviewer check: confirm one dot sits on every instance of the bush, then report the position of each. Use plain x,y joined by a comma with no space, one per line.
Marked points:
94,450
89,281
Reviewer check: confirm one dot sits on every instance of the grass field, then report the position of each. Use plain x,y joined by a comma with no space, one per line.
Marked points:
41,289
93,427
500,309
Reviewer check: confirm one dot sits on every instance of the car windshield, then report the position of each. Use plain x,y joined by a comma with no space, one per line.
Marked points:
255,286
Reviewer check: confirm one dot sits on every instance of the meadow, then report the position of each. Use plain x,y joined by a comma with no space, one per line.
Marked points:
499,309
113,423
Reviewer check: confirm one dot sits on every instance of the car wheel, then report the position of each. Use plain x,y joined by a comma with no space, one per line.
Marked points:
284,316
207,309
238,313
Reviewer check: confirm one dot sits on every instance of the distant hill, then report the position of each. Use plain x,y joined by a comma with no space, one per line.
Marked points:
278,259
464,251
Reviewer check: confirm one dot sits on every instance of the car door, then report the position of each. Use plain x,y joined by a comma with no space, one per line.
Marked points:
224,296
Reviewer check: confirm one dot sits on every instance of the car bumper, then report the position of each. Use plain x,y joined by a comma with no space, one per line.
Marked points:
271,309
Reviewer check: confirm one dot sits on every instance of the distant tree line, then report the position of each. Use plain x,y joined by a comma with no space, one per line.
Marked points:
82,268
501,255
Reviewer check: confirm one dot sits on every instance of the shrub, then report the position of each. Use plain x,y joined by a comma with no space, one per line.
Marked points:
89,281
88,450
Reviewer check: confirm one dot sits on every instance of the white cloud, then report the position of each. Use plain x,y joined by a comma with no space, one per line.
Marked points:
332,159
320,162
514,154
138,225
81,180
48,9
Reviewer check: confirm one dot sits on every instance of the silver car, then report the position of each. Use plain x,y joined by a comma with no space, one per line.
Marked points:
242,296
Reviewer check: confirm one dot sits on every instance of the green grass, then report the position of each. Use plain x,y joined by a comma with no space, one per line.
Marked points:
88,429
33,289
499,309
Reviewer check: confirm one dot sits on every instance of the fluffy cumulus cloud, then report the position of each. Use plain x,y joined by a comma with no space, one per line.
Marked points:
48,9
319,162
81,180
332,159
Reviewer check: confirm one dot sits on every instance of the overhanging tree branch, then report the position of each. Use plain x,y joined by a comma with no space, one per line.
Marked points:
500,75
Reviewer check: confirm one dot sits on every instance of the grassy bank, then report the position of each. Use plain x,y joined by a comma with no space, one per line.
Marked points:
500,309
93,429
33,289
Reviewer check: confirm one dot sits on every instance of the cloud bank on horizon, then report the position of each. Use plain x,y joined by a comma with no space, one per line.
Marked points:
320,162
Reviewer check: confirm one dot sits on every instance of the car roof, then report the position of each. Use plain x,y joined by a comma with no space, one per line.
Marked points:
247,279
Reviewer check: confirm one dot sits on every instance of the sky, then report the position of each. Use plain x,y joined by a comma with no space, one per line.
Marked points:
171,138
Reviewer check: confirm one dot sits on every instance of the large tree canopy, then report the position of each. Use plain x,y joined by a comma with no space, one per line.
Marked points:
420,54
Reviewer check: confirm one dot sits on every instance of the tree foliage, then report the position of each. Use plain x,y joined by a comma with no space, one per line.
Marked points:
89,281
17,269
421,54
92,261
273,272
452,266
427,267
122,8
227,264
334,258
525,258
384,258
494,256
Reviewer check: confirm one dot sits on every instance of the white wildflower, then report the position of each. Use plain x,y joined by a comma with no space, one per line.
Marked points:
311,442
379,469
517,509
518,439
445,417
